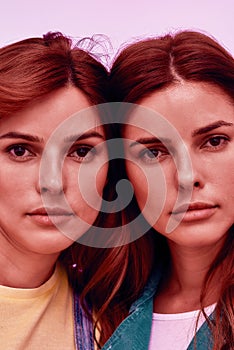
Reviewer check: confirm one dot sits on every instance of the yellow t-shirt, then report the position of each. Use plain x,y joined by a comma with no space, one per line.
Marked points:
39,318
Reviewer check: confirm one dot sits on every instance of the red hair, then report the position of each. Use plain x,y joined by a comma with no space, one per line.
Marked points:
153,64
30,69
34,67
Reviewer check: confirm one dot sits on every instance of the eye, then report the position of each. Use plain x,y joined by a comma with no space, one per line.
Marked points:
152,155
83,153
19,152
216,142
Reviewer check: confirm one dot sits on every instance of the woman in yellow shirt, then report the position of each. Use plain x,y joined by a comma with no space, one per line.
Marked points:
53,173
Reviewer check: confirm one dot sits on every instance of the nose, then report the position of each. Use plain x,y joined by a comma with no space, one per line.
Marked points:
51,185
189,173
50,179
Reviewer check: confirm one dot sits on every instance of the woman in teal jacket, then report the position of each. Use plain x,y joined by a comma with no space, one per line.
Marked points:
134,331
177,94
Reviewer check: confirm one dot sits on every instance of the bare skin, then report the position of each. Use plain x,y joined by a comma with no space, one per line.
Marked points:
30,243
204,118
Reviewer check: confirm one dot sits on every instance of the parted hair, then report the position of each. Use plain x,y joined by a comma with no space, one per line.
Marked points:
29,70
153,64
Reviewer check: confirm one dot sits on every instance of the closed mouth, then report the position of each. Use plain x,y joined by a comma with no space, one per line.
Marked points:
50,212
192,207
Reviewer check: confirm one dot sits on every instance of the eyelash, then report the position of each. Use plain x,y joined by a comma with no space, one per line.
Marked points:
147,155
89,153
223,140
21,158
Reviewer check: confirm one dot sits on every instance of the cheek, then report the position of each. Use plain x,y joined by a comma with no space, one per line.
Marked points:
101,178
88,186
17,188
16,180
221,178
224,190
153,190
139,182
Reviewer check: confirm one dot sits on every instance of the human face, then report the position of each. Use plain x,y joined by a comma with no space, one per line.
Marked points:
24,221
204,118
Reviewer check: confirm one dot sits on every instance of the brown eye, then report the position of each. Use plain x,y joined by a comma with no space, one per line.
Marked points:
215,141
83,153
19,151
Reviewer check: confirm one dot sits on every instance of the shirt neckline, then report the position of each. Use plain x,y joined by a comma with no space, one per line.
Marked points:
183,315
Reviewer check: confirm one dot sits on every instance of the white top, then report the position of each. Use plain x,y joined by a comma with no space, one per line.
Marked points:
175,331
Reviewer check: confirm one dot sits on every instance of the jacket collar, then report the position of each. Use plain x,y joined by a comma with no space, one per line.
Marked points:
150,288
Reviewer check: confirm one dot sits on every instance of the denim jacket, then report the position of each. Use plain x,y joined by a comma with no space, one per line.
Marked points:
82,326
134,332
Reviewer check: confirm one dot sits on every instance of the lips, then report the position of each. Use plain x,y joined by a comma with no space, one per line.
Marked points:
193,206
50,217
50,211
194,211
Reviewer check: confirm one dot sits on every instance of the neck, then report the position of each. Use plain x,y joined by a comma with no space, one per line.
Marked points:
190,266
19,270
181,289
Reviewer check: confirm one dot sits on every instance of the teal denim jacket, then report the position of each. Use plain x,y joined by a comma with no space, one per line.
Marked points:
134,332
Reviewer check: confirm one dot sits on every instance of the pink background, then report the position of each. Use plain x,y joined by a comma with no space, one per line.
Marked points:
120,20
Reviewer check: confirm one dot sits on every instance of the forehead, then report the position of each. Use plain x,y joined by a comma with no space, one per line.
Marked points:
184,106
43,116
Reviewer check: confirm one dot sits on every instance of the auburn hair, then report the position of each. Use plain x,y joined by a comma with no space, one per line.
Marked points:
153,64
103,277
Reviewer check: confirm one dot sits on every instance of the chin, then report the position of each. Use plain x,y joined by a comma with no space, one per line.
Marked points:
52,245
196,236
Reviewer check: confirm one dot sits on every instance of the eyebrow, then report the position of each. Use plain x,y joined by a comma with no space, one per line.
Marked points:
18,135
33,138
74,138
149,140
210,127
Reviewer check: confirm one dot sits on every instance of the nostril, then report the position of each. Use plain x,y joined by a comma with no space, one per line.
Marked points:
44,189
196,184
